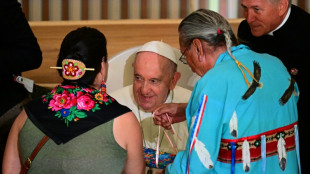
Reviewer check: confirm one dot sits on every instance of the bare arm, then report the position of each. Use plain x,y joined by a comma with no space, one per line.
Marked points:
169,113
127,133
11,160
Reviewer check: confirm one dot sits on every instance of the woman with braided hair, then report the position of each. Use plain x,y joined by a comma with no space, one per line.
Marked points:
77,127
242,114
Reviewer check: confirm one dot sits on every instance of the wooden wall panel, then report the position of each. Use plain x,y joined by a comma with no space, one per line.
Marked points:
163,9
157,8
45,10
144,9
65,9
85,9
25,6
183,10
124,8
133,33
104,9
302,4
202,4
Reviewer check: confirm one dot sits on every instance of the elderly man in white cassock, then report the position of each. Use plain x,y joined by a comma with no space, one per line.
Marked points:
154,83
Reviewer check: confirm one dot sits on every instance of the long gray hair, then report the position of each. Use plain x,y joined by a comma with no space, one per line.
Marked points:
209,26
213,28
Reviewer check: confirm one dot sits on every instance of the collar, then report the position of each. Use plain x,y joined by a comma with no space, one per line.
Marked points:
170,97
225,55
283,22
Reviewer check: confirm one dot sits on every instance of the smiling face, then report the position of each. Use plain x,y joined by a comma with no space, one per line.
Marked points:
153,79
263,16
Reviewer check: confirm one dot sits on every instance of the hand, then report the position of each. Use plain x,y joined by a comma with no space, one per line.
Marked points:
169,113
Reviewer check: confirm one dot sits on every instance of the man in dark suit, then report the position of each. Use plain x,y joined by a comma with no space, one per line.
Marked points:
283,30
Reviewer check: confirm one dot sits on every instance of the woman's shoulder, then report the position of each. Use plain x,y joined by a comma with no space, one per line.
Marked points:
125,119
125,128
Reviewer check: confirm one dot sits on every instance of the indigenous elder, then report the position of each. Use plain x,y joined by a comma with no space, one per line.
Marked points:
155,79
87,131
278,28
242,115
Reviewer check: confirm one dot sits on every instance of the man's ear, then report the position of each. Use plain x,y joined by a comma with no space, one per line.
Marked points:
176,77
283,7
198,48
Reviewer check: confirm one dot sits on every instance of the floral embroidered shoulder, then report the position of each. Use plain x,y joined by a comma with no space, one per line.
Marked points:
68,111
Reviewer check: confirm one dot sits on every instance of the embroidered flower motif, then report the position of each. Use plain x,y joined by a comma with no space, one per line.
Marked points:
64,100
72,102
89,90
85,102
99,97
70,69
67,87
65,112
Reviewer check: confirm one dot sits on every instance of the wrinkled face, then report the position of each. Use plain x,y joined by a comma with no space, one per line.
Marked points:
262,16
187,52
192,58
152,80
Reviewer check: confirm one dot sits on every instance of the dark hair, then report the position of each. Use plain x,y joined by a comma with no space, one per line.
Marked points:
87,45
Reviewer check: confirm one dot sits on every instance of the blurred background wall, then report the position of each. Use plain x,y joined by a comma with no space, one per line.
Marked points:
59,10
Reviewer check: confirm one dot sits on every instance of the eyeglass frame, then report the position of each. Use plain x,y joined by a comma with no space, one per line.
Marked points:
183,57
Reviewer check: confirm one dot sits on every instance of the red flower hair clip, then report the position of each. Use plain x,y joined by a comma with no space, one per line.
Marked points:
73,69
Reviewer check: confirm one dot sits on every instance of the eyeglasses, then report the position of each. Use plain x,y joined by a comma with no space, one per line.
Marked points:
183,57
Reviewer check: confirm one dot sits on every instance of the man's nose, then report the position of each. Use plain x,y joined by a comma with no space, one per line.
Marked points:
145,87
250,16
